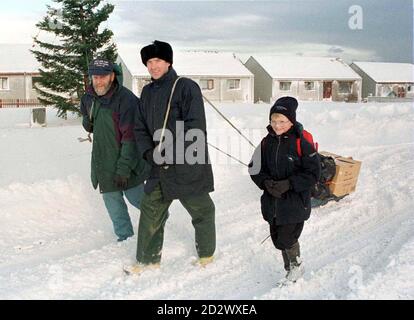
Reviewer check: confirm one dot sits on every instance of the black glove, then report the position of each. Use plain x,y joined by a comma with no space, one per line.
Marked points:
269,187
281,185
149,156
277,188
120,182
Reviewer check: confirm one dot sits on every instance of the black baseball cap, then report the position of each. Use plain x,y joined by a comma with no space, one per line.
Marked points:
100,67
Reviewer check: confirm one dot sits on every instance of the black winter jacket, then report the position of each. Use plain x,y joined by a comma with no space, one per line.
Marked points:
279,159
179,178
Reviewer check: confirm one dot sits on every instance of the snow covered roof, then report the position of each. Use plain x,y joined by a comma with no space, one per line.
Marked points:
219,64
287,67
130,55
16,58
387,71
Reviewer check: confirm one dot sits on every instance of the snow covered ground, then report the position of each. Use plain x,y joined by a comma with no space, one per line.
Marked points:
56,239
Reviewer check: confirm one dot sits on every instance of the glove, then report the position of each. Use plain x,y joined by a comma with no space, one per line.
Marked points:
149,156
269,187
277,188
121,182
281,186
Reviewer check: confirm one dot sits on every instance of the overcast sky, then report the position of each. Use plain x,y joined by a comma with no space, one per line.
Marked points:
309,27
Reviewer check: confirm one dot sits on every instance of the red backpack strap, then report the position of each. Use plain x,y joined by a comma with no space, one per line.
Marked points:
309,138
298,147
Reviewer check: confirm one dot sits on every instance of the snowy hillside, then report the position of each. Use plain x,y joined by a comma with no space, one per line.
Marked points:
56,239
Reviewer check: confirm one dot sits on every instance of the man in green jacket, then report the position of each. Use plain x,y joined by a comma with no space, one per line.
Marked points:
179,177
108,111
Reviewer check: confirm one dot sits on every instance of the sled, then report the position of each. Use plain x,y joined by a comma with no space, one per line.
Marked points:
337,184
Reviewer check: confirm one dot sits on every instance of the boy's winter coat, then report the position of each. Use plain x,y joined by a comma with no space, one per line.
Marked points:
279,160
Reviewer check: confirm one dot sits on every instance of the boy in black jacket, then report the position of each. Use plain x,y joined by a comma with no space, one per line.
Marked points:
286,178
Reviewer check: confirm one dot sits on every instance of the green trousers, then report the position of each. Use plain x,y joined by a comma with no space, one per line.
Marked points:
154,215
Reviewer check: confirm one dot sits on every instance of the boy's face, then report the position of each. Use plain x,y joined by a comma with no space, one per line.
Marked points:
280,123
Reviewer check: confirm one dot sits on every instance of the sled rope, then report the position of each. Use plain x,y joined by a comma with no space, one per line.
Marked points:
224,117
215,108
227,154
265,239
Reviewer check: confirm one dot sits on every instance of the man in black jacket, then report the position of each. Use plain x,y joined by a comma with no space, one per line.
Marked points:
175,174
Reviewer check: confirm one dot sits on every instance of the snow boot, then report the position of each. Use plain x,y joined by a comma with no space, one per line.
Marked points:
204,261
296,269
139,268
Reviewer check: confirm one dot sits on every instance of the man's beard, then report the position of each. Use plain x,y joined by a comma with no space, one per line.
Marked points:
101,91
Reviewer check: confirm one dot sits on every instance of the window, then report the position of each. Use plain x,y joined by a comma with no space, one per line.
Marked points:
233,84
4,83
284,85
207,84
345,87
410,88
309,85
385,91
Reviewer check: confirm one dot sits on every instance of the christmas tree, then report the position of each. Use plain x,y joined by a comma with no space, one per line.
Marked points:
75,25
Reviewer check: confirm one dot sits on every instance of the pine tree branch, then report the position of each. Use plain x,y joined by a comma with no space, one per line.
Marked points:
64,66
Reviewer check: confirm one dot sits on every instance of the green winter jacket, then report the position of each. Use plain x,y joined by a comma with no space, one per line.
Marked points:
111,120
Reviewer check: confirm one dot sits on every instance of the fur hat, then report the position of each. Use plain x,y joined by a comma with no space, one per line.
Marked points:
286,106
157,49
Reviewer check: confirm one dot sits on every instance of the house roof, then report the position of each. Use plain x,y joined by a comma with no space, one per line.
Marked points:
16,58
387,71
306,68
190,63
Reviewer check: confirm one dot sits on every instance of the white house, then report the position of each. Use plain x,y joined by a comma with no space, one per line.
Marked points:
382,79
306,78
18,67
221,76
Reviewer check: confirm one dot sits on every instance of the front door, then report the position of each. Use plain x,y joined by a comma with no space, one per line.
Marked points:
327,89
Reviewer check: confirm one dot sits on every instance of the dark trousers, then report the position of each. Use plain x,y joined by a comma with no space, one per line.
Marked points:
154,215
285,236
